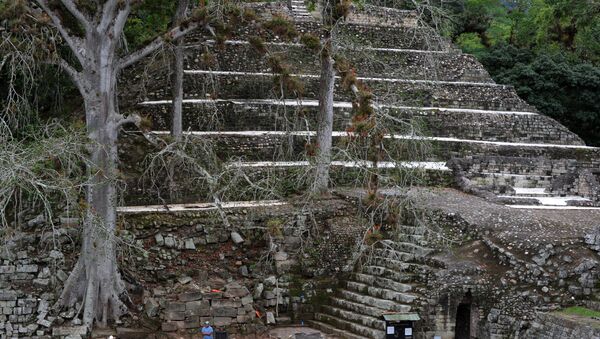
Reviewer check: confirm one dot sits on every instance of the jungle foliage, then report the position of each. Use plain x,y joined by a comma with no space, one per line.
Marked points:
548,49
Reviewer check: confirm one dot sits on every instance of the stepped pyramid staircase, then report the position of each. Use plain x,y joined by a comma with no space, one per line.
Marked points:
389,280
467,114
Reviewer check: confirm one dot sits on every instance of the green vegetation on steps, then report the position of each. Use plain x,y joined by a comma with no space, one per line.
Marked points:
548,49
581,311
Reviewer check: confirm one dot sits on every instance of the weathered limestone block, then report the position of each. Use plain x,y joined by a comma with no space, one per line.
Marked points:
223,321
151,307
235,290
197,308
224,311
236,238
190,296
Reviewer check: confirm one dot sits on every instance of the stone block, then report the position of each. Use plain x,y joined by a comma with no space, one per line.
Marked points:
151,307
7,269
192,324
226,303
184,279
175,315
197,308
175,307
159,239
235,290
27,269
236,238
44,322
190,296
224,311
74,330
169,327
170,242
41,282
61,275
189,244
270,318
223,321
247,300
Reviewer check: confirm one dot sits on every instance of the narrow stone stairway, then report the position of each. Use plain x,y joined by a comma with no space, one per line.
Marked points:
387,281
299,10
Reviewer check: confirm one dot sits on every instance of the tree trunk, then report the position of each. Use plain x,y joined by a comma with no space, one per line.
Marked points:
177,75
177,91
324,122
95,281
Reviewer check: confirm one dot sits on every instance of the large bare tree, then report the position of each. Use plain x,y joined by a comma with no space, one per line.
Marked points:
92,31
330,13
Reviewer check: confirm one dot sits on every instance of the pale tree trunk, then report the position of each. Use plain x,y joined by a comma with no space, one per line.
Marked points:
177,75
177,91
325,114
324,122
95,281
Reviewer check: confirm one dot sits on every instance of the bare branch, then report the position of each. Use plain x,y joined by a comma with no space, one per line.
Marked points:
174,34
72,72
132,118
121,19
73,42
72,7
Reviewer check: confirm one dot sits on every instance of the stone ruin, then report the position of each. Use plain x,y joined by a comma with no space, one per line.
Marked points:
507,234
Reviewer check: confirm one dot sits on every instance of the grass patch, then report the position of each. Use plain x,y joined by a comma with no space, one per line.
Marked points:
581,311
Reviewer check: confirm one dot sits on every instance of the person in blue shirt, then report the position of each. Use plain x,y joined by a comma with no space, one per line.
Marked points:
207,331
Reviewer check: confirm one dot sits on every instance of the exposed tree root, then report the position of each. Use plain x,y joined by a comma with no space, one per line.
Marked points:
98,289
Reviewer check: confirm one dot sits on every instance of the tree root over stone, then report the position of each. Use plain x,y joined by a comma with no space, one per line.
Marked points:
99,290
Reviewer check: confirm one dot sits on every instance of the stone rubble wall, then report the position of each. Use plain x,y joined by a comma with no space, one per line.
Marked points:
583,182
234,291
30,274
558,327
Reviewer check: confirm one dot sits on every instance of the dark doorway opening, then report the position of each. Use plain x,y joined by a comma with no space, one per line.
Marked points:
462,330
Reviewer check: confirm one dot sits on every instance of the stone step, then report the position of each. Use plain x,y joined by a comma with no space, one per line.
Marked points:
238,114
412,230
413,238
364,331
408,247
260,85
380,292
326,328
372,301
352,34
356,318
509,179
239,55
378,281
362,308
264,145
399,266
394,254
384,272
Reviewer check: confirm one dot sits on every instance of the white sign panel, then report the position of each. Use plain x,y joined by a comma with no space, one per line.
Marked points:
408,331
390,330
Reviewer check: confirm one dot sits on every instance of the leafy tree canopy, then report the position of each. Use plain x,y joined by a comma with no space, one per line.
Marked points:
548,49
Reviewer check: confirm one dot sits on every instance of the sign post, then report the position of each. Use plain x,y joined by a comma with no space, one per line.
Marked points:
400,325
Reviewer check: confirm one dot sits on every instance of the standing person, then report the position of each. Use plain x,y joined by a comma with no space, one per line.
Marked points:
207,331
